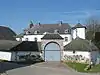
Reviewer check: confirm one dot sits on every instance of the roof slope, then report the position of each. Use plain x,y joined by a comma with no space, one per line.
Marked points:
51,36
81,45
78,25
28,46
8,44
6,33
49,28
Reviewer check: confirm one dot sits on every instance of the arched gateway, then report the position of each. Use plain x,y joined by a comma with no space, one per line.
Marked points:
52,52
52,47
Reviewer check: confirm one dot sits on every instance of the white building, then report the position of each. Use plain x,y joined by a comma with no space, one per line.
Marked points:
58,43
52,44
19,51
81,50
78,31
36,32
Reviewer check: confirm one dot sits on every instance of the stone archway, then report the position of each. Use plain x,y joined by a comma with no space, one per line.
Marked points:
52,52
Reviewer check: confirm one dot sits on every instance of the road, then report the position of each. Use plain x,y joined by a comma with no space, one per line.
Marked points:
45,68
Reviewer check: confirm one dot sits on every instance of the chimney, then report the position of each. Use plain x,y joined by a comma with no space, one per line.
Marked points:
60,23
39,24
31,24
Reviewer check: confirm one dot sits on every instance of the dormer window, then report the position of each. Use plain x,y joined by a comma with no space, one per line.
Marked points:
56,31
36,32
28,32
66,31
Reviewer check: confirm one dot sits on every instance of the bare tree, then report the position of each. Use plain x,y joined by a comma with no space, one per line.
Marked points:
93,24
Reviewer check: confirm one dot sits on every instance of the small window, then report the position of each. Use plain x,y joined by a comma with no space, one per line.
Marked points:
27,32
56,31
73,51
26,39
36,32
35,39
66,38
66,31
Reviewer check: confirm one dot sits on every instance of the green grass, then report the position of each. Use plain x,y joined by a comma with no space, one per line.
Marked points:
77,66
80,67
95,68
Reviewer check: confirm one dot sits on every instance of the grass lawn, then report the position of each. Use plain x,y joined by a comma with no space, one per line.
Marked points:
95,68
80,67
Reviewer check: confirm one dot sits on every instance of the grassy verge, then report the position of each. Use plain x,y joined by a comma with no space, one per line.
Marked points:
95,68
80,67
77,66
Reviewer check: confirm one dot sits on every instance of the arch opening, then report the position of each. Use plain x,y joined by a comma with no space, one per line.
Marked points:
52,51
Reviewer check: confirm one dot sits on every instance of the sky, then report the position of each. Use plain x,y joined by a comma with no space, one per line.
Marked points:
17,14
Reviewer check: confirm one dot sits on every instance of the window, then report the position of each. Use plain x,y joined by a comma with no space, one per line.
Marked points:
56,31
26,39
73,51
36,32
35,39
28,32
66,31
66,38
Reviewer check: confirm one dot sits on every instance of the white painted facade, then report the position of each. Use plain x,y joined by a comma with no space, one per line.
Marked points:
78,32
67,38
81,56
14,56
30,38
5,55
23,53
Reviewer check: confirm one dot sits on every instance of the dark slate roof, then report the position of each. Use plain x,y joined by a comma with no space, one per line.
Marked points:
27,46
49,28
78,25
8,44
80,45
6,33
51,36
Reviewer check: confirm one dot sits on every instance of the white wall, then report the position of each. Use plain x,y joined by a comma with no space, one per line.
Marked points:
83,53
69,38
69,54
80,33
5,55
18,39
32,37
22,53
